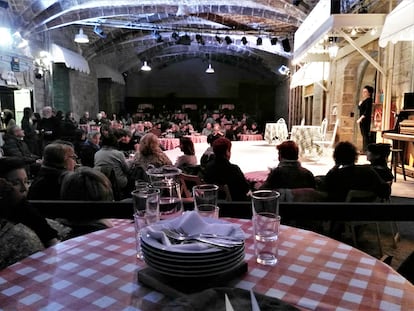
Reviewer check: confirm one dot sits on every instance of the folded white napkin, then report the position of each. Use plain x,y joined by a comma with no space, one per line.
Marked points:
192,223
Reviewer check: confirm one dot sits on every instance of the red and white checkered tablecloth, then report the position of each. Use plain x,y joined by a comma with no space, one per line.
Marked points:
245,137
196,139
169,143
99,271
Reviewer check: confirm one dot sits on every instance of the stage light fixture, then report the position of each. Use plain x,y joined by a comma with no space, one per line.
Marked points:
175,36
81,37
210,69
199,39
286,45
99,32
157,36
284,70
244,40
218,39
259,41
273,41
228,40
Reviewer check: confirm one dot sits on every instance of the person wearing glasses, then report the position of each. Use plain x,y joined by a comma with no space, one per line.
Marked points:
59,158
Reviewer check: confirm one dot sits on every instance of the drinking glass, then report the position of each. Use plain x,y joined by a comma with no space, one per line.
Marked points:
266,223
205,200
171,205
146,212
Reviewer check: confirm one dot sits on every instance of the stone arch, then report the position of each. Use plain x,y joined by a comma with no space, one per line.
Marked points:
356,73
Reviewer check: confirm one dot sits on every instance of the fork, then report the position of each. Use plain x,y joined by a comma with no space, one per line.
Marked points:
181,232
226,244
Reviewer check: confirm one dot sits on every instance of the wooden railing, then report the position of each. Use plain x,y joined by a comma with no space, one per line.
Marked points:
289,211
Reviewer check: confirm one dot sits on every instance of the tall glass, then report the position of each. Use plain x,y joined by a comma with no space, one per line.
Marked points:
146,211
266,224
171,205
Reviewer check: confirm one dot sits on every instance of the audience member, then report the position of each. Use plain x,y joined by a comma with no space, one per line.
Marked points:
109,157
207,130
378,155
29,126
17,240
86,184
346,175
19,210
289,173
8,118
85,119
58,158
220,171
150,153
208,154
188,160
15,146
49,126
89,148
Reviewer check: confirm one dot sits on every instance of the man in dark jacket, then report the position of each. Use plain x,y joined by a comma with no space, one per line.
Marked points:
221,172
15,146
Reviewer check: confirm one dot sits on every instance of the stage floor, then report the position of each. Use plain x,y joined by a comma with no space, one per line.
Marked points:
253,156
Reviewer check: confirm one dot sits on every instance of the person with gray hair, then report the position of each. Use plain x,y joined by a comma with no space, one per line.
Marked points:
48,126
58,158
89,148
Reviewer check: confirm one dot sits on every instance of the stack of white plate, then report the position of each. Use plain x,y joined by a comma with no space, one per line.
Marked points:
190,263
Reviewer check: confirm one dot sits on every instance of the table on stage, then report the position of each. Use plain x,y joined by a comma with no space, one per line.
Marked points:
276,132
99,271
197,138
169,143
257,177
304,135
245,137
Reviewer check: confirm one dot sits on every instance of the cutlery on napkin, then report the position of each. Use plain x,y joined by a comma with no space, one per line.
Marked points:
255,305
229,307
192,223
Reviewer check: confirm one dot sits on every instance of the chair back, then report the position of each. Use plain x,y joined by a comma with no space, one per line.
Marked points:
224,192
360,196
324,127
186,183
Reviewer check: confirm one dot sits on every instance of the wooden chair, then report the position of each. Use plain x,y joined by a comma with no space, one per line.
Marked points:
325,143
186,183
363,196
224,192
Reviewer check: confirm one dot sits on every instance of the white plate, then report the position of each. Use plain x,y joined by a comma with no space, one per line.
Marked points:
147,239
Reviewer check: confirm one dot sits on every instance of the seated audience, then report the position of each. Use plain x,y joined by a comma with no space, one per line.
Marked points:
188,160
58,158
150,153
220,171
289,173
208,154
207,130
110,157
86,184
17,240
15,146
378,155
89,148
19,210
346,175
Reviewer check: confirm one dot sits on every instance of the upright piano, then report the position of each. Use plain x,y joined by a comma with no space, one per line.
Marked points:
402,137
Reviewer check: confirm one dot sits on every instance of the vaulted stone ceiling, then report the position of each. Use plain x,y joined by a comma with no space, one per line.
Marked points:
129,28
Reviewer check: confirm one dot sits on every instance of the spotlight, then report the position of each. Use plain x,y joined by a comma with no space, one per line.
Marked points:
175,36
273,41
259,41
184,40
199,39
157,36
99,32
228,40
244,40
286,45
283,70
218,39
81,37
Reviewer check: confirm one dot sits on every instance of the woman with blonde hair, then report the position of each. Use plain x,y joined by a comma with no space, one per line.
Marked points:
150,153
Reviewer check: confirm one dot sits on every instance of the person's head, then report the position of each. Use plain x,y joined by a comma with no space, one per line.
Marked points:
13,170
60,155
187,146
86,184
345,153
47,112
99,116
94,137
209,126
211,138
7,194
123,136
109,140
378,153
367,91
27,112
86,114
149,144
15,131
222,148
288,150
